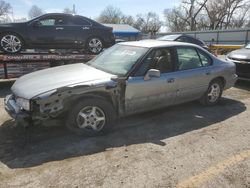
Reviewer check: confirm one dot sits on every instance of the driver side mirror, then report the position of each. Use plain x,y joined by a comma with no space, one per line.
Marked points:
152,73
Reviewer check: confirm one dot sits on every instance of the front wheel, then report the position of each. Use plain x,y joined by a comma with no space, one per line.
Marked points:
95,45
213,94
91,117
11,43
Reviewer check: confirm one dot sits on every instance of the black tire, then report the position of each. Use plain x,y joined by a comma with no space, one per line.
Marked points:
14,49
101,104
98,45
207,98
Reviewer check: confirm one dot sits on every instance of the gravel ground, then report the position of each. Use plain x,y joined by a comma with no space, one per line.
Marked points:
182,146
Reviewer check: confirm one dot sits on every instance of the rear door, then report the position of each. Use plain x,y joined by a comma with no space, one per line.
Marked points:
194,73
65,33
82,28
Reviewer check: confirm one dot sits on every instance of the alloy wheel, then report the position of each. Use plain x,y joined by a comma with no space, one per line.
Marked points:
95,45
11,43
214,92
91,118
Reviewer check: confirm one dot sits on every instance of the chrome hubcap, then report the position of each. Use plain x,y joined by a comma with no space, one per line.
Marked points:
91,118
214,92
95,45
11,43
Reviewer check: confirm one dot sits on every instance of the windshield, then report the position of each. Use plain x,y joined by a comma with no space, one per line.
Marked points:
169,37
247,46
118,59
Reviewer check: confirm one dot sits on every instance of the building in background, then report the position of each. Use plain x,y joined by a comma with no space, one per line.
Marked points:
125,32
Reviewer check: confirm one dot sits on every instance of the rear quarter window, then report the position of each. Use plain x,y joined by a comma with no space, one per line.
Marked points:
205,59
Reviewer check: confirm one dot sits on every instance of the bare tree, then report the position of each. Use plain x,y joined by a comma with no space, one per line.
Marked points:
222,13
4,11
111,15
127,20
35,11
185,16
204,14
4,8
148,23
175,21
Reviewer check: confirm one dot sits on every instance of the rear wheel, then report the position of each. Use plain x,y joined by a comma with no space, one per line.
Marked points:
91,117
95,45
11,43
213,94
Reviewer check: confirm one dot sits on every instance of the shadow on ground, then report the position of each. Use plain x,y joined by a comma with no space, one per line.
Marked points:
27,148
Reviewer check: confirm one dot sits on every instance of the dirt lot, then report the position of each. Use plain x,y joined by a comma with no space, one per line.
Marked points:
183,146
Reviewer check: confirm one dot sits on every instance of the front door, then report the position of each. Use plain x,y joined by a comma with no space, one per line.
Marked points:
156,92
53,32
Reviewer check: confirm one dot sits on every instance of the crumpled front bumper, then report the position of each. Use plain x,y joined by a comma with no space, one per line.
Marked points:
13,109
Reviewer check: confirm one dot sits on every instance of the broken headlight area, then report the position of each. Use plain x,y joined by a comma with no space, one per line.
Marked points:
23,103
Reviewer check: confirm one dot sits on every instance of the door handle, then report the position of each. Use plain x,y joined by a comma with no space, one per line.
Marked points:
170,80
59,28
84,28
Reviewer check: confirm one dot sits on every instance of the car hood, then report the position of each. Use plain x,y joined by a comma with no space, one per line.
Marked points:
34,84
240,54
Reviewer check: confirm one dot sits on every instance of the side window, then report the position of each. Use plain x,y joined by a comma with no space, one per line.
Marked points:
206,61
160,59
163,60
187,58
48,22
61,21
182,39
80,21
147,62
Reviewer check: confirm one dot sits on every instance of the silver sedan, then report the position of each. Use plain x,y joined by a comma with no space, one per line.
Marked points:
128,78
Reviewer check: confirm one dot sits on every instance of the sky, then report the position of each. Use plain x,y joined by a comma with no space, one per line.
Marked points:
92,8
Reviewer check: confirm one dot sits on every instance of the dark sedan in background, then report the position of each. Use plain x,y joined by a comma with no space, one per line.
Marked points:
56,31
241,58
184,38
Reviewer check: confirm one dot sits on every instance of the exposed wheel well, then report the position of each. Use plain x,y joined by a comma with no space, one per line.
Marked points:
100,95
222,79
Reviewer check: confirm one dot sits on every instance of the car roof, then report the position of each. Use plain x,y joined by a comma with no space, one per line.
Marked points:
54,14
62,14
156,43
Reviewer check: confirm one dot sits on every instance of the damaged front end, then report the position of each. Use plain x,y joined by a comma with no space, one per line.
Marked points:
56,103
16,111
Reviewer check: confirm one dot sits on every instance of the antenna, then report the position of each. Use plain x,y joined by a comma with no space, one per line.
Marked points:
74,9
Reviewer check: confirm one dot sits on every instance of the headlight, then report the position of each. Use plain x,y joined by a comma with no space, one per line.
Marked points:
23,103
